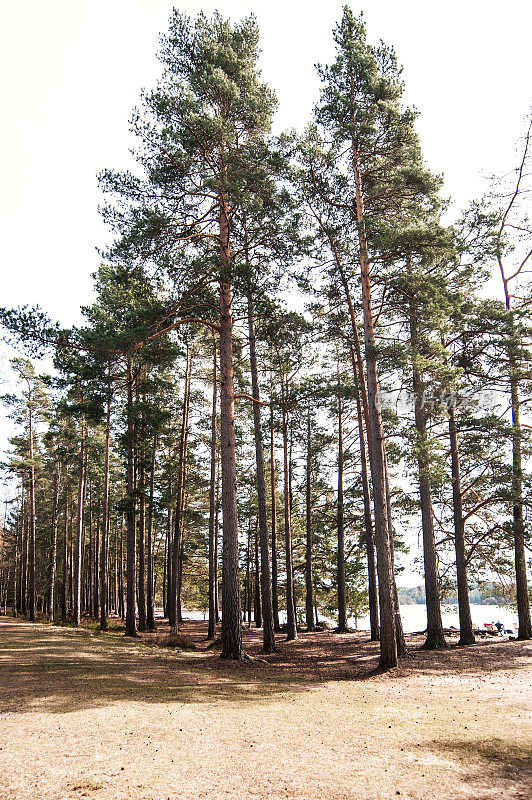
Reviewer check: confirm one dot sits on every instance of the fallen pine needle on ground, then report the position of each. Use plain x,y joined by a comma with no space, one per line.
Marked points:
85,714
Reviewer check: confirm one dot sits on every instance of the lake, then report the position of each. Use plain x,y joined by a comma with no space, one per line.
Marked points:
414,617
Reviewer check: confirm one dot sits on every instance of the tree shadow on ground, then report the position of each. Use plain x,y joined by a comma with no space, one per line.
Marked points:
59,669
56,670
485,656
491,763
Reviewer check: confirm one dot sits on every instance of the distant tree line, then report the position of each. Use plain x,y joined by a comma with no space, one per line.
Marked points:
489,593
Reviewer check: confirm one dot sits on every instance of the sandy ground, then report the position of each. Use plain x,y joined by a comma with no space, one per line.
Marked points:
94,715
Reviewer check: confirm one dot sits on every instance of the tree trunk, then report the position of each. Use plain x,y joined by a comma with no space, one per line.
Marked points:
84,607
340,559
268,636
247,583
71,564
464,609
174,617
150,609
257,587
231,608
89,602
370,396
435,636
16,558
64,600
388,645
105,511
121,592
275,586
116,587
121,611
23,550
169,559
212,501
96,587
309,585
291,623
165,572
399,634
216,543
31,517
373,598
131,538
79,531
514,357
181,551
523,600
53,549
141,492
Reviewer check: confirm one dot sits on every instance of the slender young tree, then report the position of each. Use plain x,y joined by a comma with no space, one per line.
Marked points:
131,527
340,558
268,636
513,272
273,501
53,547
309,583
379,172
105,510
150,599
212,498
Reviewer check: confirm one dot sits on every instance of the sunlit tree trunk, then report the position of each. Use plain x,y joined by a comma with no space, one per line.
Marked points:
131,537
373,597
231,608
388,644
79,531
523,599
169,559
464,610
275,589
174,610
340,556
309,586
212,500
31,515
150,610
268,636
257,599
291,624
373,420
435,637
141,492
105,511
53,548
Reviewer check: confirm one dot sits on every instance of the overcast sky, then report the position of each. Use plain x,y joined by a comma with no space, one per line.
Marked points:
71,72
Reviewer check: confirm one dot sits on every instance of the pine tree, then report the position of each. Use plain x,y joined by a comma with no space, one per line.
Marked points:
377,157
202,134
513,277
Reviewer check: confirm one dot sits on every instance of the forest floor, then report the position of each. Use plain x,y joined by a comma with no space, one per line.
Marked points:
86,714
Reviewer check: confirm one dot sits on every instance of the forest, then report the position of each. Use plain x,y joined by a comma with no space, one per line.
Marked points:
295,364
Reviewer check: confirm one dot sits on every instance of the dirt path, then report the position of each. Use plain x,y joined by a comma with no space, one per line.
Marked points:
98,716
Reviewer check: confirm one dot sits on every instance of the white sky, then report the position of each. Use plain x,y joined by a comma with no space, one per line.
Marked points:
71,72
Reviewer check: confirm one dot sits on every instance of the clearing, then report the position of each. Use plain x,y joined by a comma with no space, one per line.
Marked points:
85,714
